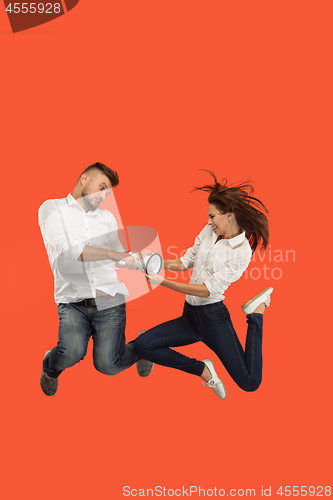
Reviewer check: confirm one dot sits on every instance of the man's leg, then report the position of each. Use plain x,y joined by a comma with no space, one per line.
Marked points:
110,353
74,334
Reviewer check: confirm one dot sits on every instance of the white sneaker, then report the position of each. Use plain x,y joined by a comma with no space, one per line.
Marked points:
262,297
214,383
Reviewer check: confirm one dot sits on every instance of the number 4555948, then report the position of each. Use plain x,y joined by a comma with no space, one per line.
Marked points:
32,8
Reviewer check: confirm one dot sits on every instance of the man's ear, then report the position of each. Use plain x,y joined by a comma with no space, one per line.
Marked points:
84,179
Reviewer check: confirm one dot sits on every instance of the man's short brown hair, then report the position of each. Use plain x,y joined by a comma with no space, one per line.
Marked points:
110,174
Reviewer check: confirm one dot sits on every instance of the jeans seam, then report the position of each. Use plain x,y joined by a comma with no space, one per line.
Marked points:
234,337
252,352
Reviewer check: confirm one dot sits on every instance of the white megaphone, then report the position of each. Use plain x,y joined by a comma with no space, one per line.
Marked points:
151,263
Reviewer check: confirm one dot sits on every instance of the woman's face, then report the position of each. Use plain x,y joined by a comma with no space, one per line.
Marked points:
220,223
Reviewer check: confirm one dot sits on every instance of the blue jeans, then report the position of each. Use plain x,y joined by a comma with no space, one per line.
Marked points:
106,327
212,325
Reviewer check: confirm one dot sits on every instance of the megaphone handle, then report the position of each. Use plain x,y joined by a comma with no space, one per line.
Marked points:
122,262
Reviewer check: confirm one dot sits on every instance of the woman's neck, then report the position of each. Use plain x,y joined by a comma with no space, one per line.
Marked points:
228,235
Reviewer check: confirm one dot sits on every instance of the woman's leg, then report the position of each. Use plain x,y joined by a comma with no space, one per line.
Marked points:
219,335
154,345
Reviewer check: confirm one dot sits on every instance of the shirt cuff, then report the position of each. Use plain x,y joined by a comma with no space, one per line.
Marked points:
214,287
186,262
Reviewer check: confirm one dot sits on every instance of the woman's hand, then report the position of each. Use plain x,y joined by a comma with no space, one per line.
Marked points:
155,279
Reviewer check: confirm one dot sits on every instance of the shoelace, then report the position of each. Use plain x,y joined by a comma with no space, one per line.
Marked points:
211,383
47,378
144,362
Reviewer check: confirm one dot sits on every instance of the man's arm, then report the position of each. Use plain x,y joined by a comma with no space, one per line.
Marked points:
90,254
56,237
55,234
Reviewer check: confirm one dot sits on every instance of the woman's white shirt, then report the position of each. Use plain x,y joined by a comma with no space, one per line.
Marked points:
216,265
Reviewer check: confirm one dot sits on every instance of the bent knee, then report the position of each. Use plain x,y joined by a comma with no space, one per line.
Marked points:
141,347
68,356
251,386
105,368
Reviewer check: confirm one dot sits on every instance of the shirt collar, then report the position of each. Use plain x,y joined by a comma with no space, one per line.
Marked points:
72,201
237,240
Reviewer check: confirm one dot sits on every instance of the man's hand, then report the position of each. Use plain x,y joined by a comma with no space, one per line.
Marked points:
134,261
129,262
139,256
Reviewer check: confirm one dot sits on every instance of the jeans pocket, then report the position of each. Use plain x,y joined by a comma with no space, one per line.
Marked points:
217,313
61,309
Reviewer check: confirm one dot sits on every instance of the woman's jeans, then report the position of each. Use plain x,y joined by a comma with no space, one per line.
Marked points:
212,325
106,327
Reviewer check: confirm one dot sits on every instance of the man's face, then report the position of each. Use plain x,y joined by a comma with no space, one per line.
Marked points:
95,188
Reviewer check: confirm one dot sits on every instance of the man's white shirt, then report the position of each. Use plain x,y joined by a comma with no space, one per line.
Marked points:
66,228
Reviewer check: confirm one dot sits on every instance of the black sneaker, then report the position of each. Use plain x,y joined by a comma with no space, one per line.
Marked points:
49,385
144,366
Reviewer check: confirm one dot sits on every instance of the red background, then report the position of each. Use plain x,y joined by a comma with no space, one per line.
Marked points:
158,90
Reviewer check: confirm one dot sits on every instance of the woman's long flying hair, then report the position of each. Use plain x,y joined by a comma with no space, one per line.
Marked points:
249,211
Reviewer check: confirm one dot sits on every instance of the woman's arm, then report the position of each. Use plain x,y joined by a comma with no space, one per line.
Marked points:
173,265
187,260
196,290
177,265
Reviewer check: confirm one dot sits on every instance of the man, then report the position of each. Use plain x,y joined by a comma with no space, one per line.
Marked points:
83,248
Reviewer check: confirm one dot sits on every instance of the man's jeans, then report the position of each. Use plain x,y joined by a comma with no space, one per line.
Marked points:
212,325
106,327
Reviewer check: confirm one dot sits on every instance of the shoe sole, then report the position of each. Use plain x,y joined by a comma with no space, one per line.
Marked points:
251,301
210,365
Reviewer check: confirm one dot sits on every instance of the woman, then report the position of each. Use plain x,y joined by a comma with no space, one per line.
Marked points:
236,225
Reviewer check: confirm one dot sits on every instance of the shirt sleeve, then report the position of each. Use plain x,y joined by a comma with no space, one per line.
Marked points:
219,281
190,255
55,233
113,237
